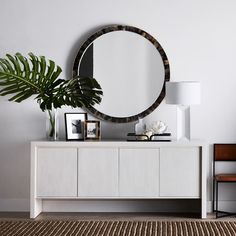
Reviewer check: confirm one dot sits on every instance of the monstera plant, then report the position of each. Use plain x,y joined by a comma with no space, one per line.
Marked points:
21,78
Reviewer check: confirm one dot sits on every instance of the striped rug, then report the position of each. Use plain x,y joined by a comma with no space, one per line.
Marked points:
108,228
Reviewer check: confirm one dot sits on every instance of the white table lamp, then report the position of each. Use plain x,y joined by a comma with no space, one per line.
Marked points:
183,94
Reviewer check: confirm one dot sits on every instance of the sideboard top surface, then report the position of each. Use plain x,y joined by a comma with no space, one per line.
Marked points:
113,143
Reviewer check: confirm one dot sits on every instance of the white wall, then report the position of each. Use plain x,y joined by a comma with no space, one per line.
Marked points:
198,36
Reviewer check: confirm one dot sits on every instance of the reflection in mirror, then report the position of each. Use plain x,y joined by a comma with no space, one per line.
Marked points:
130,69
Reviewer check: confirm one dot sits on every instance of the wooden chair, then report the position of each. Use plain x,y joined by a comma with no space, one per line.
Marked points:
222,152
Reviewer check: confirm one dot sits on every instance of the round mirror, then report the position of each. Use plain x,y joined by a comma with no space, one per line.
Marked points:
131,67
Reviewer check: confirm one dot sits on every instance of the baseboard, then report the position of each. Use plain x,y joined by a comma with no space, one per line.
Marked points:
160,205
229,206
23,205
14,204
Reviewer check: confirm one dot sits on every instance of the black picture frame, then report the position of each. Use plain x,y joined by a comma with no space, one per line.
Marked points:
74,126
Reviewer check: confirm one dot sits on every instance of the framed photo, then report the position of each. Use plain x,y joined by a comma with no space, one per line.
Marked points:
92,129
75,126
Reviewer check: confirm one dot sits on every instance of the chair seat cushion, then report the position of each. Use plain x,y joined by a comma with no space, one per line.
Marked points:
225,177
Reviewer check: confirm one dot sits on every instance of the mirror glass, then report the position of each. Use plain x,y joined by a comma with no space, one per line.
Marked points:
130,69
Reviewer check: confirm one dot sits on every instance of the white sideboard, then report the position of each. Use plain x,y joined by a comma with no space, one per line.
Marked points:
117,170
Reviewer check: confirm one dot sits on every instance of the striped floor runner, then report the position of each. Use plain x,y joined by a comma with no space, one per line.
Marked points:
115,228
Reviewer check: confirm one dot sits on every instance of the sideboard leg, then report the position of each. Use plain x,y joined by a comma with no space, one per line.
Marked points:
203,183
36,207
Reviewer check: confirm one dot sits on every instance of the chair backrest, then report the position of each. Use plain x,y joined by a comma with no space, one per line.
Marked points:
225,152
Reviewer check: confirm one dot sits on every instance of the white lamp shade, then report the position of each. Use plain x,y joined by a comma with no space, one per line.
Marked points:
183,93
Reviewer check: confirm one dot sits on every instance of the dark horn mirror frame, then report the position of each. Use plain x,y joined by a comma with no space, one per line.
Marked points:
88,61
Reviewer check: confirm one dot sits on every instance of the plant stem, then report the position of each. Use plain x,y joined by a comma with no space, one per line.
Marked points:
52,124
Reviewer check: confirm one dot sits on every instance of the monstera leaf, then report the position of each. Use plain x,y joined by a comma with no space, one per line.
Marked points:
21,78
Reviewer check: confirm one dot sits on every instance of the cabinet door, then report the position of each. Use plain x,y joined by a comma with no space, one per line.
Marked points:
98,172
180,172
139,172
57,172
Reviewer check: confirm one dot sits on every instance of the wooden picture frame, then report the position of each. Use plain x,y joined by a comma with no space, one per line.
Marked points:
74,123
92,130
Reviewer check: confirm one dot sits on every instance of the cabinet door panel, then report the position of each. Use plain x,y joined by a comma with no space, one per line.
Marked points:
57,172
180,172
139,172
98,172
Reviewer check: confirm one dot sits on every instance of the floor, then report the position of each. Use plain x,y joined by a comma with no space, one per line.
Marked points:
111,216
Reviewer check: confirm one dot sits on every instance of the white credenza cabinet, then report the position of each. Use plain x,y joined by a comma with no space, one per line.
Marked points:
56,172
139,172
180,172
97,172
117,170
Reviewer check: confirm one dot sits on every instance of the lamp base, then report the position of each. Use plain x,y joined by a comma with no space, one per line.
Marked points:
183,123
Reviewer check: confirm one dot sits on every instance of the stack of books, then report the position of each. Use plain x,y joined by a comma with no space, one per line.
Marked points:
165,137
